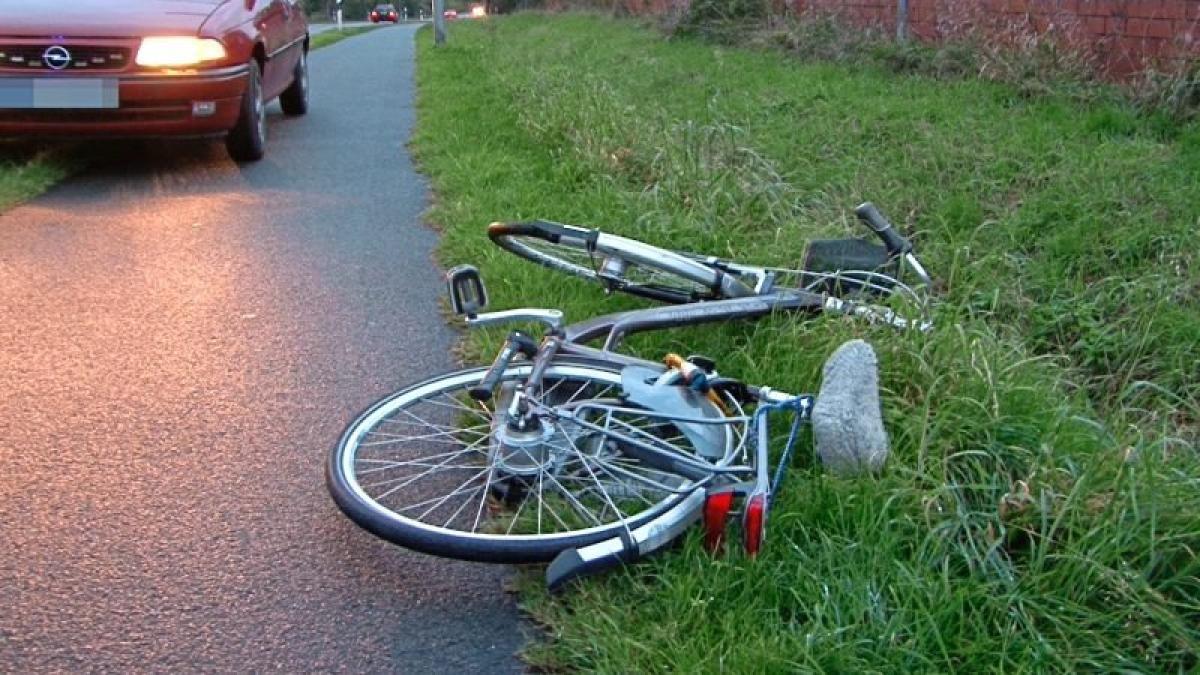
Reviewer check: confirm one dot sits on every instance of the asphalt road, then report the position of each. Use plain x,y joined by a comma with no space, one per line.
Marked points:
181,341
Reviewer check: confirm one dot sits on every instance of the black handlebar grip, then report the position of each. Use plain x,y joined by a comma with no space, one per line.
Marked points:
895,242
482,392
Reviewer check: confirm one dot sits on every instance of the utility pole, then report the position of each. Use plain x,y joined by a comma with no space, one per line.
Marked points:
902,21
439,22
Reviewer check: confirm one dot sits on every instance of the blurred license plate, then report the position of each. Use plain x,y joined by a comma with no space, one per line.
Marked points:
58,93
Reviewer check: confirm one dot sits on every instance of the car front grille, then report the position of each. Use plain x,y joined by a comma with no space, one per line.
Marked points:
128,112
71,57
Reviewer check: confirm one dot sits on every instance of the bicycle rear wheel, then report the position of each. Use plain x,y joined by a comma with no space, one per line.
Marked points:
618,263
423,468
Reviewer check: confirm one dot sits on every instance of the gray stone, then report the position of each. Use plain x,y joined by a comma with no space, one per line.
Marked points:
847,419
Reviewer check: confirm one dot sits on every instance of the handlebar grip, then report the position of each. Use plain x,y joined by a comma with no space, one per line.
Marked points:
482,392
895,242
517,343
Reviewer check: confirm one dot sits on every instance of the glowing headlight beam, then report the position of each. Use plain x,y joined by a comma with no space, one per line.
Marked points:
177,52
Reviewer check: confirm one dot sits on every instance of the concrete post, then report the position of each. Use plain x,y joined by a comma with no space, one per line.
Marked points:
439,22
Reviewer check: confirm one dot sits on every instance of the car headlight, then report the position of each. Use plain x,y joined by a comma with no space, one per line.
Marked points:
177,52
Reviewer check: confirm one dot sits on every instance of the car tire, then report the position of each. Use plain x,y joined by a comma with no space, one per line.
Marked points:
294,99
247,142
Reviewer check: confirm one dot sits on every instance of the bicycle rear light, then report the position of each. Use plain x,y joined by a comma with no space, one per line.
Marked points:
716,514
754,523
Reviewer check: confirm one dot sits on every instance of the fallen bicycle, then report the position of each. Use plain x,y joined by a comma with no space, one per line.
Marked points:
584,457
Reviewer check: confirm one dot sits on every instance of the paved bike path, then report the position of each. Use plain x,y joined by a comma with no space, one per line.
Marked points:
181,341
318,28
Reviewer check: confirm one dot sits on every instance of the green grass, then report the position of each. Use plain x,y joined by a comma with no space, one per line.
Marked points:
28,170
330,37
1039,510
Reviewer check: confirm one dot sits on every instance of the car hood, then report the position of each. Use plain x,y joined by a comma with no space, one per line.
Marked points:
104,18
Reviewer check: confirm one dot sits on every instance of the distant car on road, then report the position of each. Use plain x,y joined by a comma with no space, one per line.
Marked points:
450,14
152,68
384,13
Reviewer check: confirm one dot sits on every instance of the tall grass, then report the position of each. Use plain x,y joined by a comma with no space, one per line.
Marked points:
27,170
1039,510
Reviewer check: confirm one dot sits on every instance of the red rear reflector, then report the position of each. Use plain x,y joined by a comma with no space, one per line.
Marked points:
754,524
716,514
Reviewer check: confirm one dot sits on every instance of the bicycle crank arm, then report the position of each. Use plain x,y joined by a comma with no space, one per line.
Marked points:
574,563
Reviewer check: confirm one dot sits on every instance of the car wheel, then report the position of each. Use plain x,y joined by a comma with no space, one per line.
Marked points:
248,140
294,100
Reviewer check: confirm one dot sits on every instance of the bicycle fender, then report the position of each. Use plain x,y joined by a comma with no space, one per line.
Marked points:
574,563
710,440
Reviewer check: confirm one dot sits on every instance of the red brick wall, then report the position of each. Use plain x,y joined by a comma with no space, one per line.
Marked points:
1122,35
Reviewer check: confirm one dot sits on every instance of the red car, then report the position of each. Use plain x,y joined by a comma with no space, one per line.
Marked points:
152,68
384,13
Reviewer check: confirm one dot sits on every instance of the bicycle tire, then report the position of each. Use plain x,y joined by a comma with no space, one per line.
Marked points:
673,277
369,513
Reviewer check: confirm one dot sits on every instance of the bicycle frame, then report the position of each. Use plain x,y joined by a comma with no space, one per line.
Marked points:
756,483
713,488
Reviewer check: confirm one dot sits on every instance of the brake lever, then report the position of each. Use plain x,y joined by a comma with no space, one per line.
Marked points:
551,318
918,269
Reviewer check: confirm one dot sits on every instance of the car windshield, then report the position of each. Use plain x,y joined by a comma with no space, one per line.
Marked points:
385,8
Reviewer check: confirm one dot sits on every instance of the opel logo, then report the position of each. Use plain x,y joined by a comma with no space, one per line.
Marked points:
56,57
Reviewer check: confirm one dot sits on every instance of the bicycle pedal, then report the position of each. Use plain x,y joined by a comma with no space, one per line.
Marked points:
468,295
716,517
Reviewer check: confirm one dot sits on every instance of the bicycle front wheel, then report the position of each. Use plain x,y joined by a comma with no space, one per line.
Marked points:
423,468
617,263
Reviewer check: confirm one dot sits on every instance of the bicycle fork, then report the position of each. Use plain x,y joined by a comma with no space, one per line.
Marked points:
712,504
758,493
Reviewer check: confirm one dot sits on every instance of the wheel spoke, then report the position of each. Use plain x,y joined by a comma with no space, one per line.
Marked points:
392,439
428,457
572,500
599,485
487,485
417,477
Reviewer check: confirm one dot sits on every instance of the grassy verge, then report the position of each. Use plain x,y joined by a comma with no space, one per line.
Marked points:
1039,512
330,37
27,170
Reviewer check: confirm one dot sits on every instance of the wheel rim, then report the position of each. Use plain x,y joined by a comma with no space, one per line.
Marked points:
590,265
410,460
304,76
260,110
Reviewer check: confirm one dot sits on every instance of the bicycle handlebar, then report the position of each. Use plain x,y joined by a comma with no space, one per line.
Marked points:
517,343
895,242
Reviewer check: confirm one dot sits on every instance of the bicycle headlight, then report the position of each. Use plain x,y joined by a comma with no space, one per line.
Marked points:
178,52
